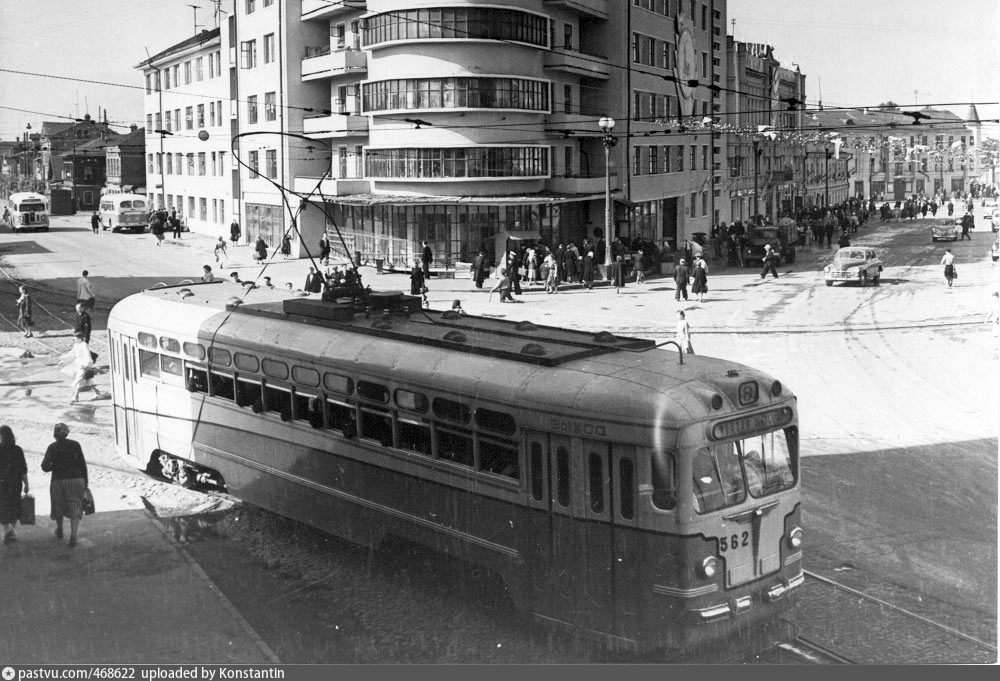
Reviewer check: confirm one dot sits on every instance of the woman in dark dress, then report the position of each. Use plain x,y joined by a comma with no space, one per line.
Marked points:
700,276
64,458
13,475
260,250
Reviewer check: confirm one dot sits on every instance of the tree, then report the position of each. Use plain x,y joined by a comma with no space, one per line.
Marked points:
888,105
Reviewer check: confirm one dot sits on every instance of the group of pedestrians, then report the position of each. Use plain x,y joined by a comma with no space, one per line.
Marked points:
68,490
160,222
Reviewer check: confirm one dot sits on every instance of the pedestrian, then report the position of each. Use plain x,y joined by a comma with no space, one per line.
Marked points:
683,333
479,269
950,271
260,250
531,262
456,307
770,261
235,278
207,276
417,279
83,324
85,291
968,223
504,286
640,268
324,250
314,282
80,367
551,269
681,276
700,278
951,208
587,276
24,319
64,459
843,241
286,246
175,223
267,282
618,274
234,232
95,222
13,480
426,256
156,227
221,256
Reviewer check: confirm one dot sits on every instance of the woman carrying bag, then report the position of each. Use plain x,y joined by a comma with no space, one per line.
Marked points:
80,367
13,477
69,486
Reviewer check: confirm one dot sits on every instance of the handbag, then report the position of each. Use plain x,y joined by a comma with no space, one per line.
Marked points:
88,374
88,502
27,510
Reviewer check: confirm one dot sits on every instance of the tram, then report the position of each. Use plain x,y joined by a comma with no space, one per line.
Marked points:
27,210
622,491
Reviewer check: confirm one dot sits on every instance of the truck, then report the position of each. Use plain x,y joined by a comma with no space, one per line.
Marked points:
781,237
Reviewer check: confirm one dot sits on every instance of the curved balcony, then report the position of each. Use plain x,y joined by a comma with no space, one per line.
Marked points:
578,63
324,9
343,124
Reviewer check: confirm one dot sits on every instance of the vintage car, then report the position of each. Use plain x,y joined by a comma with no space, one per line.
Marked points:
946,229
854,263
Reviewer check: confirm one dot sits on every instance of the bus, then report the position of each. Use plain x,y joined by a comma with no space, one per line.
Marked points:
622,491
124,211
27,211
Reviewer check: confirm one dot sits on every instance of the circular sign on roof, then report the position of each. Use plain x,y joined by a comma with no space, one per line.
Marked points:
686,62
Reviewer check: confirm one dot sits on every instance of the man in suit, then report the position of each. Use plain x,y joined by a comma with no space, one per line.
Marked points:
83,324
426,257
314,282
95,222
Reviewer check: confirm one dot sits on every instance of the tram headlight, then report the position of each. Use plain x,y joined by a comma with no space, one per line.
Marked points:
795,538
710,567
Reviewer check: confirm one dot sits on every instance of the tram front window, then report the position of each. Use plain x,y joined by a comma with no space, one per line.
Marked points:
763,464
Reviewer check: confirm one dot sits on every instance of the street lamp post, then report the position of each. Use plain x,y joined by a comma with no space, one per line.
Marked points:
757,151
607,124
826,177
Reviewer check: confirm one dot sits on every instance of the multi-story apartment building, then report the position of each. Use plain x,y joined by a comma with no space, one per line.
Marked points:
766,164
188,125
468,122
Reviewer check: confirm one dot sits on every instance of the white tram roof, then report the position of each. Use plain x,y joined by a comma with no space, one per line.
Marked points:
583,373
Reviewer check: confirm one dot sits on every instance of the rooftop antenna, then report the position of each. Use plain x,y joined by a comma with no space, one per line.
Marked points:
195,8
819,83
916,93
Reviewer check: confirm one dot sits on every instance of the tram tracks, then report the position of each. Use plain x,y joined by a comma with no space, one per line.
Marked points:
839,624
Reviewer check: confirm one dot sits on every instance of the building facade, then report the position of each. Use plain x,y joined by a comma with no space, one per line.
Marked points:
767,161
126,163
188,157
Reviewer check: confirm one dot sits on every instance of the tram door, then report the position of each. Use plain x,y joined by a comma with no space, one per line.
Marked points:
126,421
571,536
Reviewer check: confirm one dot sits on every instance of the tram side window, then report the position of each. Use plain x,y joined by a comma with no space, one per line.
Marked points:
376,425
499,458
308,408
248,394
456,447
537,472
342,418
414,436
171,365
124,349
278,401
562,476
149,364
595,475
196,380
222,386
626,477
664,474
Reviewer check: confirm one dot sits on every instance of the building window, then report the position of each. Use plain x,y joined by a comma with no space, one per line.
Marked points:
166,79
251,6
248,54
694,204
456,93
166,122
268,48
458,23
187,73
190,207
272,163
211,113
199,72
203,209
159,122
654,161
704,204
568,98
214,166
457,162
218,107
704,158
189,118
342,161
177,74
177,119
254,164
252,109
666,159
270,106
149,122
201,115
149,83
201,163
637,161
159,163
190,164
567,36
680,158
170,164
567,161
692,161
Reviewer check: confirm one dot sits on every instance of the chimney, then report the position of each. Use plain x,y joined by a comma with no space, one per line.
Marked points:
133,127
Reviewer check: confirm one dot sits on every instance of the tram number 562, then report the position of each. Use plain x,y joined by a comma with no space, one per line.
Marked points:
735,541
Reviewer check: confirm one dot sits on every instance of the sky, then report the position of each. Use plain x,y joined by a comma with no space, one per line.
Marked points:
862,52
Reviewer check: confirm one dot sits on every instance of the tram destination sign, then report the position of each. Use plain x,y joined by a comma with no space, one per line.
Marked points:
754,423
